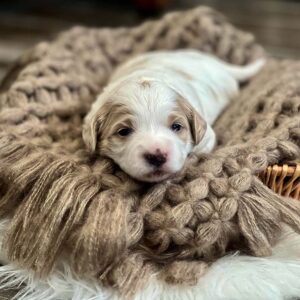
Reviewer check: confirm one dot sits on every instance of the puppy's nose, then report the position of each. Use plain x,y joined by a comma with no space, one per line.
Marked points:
156,160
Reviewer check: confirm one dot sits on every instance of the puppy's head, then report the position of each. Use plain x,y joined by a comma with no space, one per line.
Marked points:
146,128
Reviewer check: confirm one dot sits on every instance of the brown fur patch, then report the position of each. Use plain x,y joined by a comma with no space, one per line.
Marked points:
145,83
179,116
118,116
104,124
197,124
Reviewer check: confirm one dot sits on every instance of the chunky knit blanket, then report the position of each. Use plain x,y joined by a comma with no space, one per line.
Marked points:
64,204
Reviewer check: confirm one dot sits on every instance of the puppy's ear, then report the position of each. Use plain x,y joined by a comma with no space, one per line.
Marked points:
197,124
93,124
90,132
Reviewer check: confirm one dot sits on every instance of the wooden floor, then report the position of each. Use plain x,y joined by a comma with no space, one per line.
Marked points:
275,23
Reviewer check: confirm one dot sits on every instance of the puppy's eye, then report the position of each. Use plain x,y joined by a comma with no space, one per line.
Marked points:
176,127
125,131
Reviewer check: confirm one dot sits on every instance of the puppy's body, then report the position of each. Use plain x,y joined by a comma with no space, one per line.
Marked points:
207,83
169,101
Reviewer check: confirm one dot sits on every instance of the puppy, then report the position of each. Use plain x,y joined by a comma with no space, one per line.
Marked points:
159,107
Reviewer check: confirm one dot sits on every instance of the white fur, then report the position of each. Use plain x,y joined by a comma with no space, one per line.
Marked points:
231,278
204,81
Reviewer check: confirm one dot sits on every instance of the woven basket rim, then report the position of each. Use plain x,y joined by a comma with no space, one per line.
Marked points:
283,179
291,169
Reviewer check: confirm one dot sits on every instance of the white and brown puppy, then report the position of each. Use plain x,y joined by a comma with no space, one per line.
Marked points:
159,107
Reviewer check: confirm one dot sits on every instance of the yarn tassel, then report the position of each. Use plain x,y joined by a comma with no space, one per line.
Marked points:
40,228
130,274
261,214
103,237
289,208
249,217
17,184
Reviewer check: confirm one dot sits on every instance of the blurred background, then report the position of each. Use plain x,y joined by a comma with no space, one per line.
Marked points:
276,23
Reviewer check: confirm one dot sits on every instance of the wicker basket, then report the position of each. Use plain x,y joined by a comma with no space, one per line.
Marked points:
284,180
